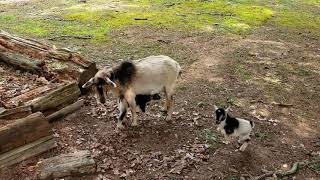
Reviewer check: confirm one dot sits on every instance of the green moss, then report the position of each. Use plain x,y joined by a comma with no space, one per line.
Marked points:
300,20
188,15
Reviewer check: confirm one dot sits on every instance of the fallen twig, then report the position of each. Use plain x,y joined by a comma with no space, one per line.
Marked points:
294,169
139,19
273,103
282,104
71,36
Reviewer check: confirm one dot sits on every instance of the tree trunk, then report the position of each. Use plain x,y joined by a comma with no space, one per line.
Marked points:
23,131
72,164
56,99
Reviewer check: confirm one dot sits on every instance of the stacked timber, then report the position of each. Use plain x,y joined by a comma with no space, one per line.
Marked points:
38,85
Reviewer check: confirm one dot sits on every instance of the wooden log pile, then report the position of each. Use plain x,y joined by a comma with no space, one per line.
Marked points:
58,74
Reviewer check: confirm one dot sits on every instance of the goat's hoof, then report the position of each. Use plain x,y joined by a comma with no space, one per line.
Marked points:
168,118
164,112
134,124
242,149
225,142
120,125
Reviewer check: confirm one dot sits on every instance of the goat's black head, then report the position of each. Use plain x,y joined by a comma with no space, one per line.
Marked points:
221,114
101,83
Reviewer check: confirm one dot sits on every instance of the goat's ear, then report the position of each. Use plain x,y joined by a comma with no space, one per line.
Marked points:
110,82
228,109
89,83
215,107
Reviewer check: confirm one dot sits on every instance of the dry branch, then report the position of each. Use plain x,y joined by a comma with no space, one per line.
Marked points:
71,36
65,111
23,131
32,149
72,164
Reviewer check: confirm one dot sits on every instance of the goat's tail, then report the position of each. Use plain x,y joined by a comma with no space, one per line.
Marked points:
252,124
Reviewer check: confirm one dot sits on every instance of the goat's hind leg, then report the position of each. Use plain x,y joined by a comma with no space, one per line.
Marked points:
169,102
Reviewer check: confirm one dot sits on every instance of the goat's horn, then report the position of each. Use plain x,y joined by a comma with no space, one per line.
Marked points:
111,82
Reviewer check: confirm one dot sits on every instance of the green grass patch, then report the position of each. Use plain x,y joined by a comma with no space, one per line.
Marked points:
300,20
242,71
261,136
95,18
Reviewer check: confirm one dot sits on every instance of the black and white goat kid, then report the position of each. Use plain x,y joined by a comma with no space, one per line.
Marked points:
236,127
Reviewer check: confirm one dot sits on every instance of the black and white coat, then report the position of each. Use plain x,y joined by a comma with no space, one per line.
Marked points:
236,127
147,76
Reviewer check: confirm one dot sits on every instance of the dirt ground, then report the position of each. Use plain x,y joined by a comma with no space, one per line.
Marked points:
270,76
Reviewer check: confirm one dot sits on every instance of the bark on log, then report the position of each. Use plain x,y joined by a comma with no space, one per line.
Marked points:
57,98
22,62
66,110
72,164
24,152
23,131
15,113
30,95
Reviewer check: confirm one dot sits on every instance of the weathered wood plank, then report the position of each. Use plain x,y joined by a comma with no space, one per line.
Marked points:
61,96
15,113
24,152
23,131
27,96
73,164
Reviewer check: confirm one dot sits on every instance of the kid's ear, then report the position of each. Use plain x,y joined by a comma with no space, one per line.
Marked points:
228,109
89,83
215,107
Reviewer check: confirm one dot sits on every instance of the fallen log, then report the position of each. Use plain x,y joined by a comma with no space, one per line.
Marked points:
15,113
65,111
73,164
24,152
22,62
60,62
27,96
23,131
56,99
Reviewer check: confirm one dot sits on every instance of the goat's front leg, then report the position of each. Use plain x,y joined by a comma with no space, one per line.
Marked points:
132,104
226,138
122,106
